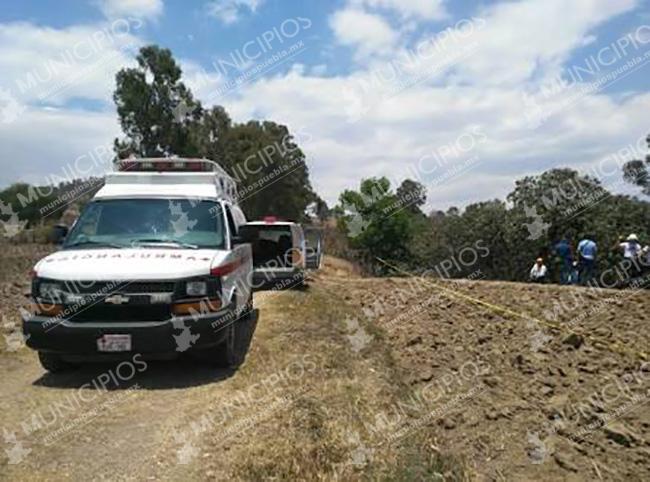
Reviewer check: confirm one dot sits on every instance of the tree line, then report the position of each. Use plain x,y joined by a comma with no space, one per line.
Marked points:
494,239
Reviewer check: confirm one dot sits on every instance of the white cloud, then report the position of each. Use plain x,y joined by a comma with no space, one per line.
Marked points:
485,91
135,8
368,33
230,11
421,121
418,9
506,43
43,143
45,69
517,42
51,66
364,25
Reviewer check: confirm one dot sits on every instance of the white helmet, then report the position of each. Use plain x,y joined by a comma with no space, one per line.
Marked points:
632,237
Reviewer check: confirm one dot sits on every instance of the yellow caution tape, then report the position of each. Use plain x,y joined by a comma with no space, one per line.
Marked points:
614,347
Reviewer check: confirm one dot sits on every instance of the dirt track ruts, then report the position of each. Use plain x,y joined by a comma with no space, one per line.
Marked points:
330,382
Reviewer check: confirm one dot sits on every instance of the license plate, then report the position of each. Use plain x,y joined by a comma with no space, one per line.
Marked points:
113,343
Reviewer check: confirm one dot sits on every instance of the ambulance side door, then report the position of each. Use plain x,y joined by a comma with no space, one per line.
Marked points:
241,252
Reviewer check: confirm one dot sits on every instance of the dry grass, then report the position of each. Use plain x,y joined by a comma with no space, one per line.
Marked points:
314,433
314,437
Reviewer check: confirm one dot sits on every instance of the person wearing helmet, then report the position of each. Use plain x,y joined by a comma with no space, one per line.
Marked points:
632,255
538,271
631,247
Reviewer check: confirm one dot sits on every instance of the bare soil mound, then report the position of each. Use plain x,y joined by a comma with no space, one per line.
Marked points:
532,400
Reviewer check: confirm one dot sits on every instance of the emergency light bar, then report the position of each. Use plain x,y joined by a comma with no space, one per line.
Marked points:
166,164
173,171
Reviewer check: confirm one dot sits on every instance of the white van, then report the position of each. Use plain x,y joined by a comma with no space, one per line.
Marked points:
153,266
279,252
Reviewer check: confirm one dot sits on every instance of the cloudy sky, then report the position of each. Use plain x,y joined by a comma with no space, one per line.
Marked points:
464,96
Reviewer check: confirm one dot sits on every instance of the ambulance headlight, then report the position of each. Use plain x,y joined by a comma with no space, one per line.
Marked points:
196,288
49,290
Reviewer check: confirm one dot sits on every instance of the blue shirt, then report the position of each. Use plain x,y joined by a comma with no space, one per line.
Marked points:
587,249
563,250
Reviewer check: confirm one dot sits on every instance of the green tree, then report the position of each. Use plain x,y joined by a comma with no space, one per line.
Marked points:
27,202
270,169
156,110
636,172
160,118
412,195
209,134
374,227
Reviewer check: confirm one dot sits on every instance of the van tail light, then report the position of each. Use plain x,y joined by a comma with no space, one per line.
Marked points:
227,268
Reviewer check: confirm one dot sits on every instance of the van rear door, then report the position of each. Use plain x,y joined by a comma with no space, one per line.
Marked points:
298,253
314,242
272,245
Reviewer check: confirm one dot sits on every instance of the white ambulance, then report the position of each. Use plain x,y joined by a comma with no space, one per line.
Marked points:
153,266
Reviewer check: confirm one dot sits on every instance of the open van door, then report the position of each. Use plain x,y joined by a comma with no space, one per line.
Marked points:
272,244
314,245
278,252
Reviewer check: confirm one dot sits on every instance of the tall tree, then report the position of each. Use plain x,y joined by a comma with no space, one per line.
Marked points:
412,195
210,132
160,117
372,223
156,110
270,168
636,172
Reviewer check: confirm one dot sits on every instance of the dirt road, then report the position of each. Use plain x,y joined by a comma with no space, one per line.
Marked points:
285,413
352,378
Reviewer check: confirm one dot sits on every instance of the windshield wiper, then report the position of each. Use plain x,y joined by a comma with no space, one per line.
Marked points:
163,242
99,244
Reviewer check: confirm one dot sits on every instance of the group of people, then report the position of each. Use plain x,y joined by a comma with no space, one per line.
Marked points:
579,267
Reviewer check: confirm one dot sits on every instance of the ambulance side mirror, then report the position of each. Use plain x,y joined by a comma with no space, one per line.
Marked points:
244,236
58,234
237,240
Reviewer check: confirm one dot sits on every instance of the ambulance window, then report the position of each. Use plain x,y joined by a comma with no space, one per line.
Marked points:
128,221
89,222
